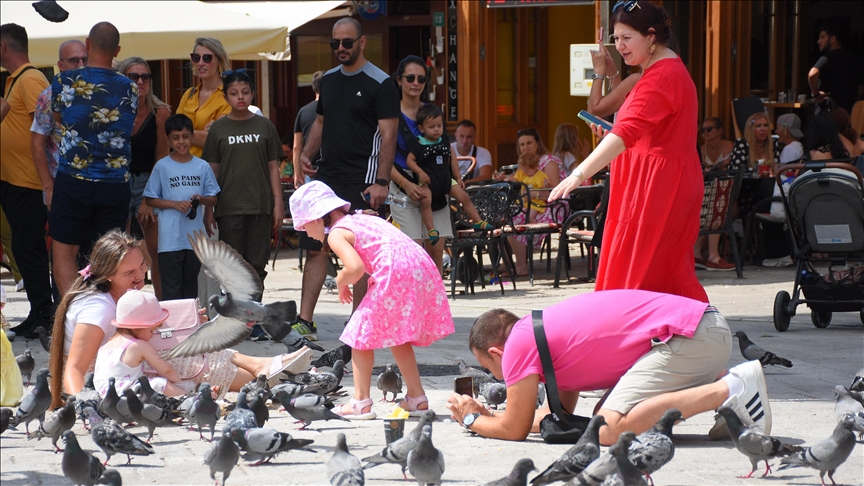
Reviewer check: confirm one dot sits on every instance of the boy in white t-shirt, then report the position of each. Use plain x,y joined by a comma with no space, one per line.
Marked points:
178,185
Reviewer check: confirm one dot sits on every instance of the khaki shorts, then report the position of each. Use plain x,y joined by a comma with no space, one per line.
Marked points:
408,219
678,364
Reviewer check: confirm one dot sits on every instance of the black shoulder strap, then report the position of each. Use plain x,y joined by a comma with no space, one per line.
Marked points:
546,360
15,80
474,152
409,137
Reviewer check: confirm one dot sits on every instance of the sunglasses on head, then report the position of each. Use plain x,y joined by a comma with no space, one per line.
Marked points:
229,72
75,60
193,213
629,6
146,77
410,78
708,129
346,43
208,58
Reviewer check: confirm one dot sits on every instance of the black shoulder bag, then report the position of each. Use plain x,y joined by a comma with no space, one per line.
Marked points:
560,426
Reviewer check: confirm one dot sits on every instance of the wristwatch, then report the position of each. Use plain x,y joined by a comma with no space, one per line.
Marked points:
469,419
597,76
382,182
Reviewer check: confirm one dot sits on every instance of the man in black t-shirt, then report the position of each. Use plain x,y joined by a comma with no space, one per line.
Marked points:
357,143
838,73
305,118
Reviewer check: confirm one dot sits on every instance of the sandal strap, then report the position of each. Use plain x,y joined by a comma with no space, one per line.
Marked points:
411,403
357,406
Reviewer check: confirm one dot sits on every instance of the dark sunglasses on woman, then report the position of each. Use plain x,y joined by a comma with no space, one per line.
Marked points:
410,78
208,58
708,129
629,6
346,43
146,77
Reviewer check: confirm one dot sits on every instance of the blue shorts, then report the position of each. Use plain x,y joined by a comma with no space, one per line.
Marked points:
81,211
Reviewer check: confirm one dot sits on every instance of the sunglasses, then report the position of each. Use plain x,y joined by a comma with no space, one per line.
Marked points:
629,6
346,43
75,60
146,77
708,129
208,58
193,213
229,72
410,78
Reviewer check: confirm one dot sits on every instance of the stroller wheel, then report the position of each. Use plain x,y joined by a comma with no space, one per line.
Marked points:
781,311
821,319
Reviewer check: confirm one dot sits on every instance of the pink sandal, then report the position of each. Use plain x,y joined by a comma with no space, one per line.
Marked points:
412,404
357,407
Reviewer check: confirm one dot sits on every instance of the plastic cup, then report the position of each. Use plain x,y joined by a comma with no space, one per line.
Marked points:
394,428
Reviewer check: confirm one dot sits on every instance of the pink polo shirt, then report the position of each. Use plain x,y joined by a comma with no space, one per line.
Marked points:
595,338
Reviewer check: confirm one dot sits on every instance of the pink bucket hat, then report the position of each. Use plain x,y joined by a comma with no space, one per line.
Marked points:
139,310
313,201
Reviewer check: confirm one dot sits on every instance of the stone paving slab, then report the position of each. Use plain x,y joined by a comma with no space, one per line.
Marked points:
801,397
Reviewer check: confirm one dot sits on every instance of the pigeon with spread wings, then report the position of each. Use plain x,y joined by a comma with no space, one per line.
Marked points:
238,312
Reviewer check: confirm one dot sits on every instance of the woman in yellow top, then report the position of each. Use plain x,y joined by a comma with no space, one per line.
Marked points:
205,103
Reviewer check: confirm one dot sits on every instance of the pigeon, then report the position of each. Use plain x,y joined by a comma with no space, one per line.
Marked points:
858,381
87,397
653,448
112,438
397,451
241,417
295,341
50,11
259,408
204,411
238,311
627,474
111,477
310,408
44,338
752,351
149,416
26,363
518,476
494,393
343,468
826,455
149,396
479,376
605,465
389,381
261,445
58,422
222,457
5,415
541,395
259,383
848,406
329,358
115,407
322,382
753,443
79,465
34,404
291,390
577,458
425,462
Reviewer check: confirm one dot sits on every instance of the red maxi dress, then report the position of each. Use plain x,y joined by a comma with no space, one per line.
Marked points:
656,188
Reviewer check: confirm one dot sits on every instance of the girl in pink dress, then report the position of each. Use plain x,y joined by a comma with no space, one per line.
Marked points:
405,306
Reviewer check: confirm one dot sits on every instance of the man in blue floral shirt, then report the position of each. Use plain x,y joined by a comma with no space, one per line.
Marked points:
95,107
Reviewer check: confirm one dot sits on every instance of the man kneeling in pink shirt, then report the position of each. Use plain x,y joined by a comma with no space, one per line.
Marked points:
653,351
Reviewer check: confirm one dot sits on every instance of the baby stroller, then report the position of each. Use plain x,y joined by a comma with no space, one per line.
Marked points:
825,212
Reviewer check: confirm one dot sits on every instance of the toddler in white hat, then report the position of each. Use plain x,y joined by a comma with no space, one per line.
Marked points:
123,356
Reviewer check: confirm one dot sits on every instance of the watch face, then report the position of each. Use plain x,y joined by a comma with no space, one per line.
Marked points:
469,419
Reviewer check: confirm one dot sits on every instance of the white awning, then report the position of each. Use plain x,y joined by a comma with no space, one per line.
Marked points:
151,29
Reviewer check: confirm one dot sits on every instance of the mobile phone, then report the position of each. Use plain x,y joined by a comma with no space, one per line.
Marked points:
589,118
464,385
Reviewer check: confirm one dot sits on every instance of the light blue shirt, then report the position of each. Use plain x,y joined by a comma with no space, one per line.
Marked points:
178,181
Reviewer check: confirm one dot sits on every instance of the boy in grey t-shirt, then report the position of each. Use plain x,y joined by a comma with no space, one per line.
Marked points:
178,185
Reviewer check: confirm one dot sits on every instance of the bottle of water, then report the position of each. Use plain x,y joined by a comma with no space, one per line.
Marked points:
400,200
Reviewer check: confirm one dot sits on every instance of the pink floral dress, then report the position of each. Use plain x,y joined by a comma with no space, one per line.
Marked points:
406,301
546,216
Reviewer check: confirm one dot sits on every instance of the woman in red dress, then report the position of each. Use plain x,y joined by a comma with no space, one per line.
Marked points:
656,179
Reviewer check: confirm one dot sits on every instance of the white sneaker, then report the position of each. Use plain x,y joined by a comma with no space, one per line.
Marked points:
785,261
19,287
752,404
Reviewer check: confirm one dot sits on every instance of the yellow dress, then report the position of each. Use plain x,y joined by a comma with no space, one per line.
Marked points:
11,384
